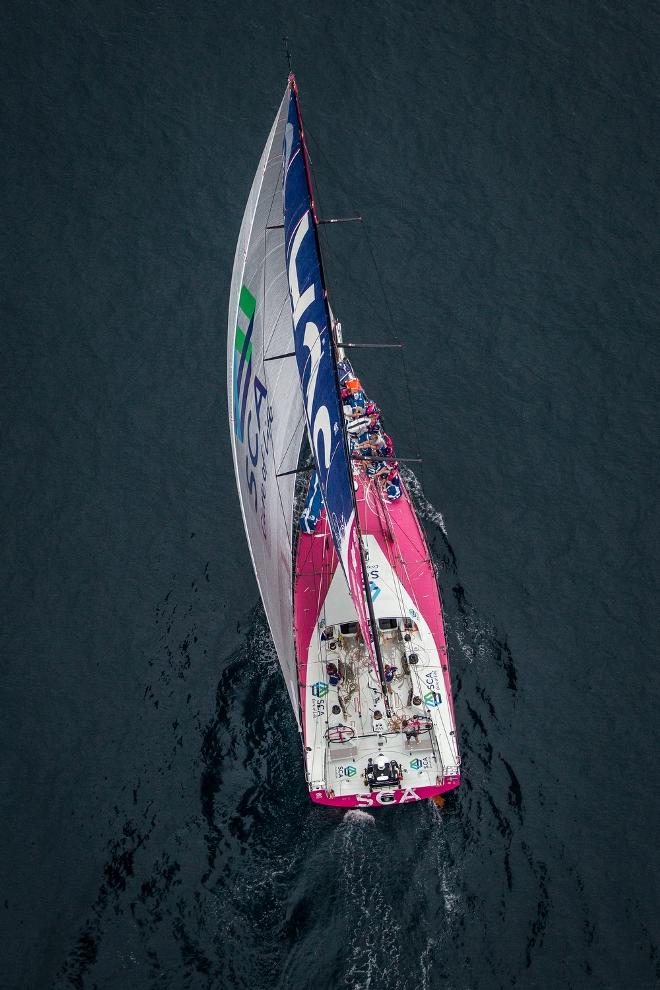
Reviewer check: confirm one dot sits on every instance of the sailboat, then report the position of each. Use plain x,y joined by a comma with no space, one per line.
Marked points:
343,568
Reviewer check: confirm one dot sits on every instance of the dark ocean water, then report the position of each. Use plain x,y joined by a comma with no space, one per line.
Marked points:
156,831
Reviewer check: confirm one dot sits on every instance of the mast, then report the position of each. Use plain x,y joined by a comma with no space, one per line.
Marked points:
363,563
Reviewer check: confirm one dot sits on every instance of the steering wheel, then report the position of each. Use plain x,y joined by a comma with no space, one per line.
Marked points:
340,733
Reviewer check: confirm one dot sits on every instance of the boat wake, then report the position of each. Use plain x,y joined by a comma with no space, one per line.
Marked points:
424,509
260,888
354,816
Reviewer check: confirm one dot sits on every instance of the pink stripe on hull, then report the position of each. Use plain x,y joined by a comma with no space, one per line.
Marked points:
381,799
316,563
404,545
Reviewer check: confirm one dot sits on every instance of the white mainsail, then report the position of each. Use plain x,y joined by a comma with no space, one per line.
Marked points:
266,414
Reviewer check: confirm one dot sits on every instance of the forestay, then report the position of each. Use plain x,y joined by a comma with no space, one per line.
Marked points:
265,406
316,366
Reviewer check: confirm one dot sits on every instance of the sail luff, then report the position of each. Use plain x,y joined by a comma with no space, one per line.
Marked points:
265,411
308,172
349,548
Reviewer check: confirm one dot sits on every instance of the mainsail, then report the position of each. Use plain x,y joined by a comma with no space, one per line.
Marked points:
317,367
266,415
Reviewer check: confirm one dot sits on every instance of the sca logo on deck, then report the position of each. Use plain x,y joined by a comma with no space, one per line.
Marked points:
349,771
416,764
320,689
432,698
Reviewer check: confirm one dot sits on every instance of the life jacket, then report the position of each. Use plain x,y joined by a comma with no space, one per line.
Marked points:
357,398
393,489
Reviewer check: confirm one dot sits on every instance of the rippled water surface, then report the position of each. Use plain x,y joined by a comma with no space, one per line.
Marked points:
156,828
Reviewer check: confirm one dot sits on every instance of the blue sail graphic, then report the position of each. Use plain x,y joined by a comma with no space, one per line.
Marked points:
312,336
313,347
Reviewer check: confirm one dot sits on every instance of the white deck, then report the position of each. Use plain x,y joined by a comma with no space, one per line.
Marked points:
339,766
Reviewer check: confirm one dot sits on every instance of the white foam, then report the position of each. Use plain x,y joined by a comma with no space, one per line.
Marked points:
422,505
262,649
449,890
477,644
357,817
374,937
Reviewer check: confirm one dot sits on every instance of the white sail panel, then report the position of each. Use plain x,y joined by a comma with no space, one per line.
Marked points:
265,405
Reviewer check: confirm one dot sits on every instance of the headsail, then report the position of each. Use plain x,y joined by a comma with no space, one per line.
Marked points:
265,408
317,368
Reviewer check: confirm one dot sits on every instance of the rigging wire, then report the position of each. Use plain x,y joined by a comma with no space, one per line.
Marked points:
399,592
381,282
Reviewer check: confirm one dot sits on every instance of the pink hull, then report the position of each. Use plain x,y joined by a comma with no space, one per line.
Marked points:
377,799
402,541
398,533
